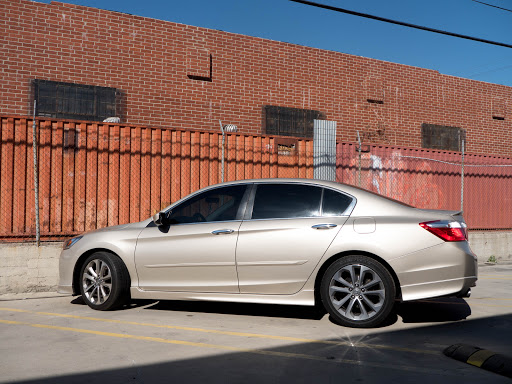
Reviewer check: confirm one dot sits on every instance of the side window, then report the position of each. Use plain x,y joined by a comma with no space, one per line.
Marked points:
220,204
282,201
335,203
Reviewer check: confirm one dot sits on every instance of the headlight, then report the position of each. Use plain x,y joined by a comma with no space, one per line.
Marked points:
69,243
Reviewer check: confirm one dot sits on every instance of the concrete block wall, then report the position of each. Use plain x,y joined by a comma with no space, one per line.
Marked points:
26,268
182,76
489,243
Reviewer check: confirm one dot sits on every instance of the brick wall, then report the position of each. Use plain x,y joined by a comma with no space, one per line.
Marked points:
180,76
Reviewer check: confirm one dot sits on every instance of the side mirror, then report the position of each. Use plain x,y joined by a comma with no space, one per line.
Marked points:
159,218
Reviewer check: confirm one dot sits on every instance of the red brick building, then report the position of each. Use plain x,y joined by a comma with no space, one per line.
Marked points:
160,73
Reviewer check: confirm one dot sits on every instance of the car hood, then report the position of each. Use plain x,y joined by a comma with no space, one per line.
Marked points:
141,224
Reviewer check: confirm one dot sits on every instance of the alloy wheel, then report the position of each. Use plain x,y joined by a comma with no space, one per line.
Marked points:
97,281
357,292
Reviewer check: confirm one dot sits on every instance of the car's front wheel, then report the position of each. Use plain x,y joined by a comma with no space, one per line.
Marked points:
358,291
104,281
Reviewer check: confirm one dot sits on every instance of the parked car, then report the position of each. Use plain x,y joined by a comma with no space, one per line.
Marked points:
280,241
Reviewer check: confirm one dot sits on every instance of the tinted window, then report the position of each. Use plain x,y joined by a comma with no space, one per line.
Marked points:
335,203
280,201
220,204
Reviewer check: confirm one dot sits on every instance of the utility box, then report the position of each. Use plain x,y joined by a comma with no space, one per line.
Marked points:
324,150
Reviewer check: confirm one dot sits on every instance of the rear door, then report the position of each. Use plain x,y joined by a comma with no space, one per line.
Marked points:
288,231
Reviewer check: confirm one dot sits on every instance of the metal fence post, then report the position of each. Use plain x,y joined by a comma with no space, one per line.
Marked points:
359,150
462,179
36,173
222,160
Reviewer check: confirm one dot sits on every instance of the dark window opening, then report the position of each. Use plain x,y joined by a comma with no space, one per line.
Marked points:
335,203
442,137
283,201
220,204
286,121
498,118
75,101
373,101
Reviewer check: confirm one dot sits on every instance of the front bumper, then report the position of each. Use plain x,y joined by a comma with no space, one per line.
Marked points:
66,289
67,262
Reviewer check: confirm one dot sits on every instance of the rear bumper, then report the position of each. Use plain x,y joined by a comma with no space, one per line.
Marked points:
447,269
456,287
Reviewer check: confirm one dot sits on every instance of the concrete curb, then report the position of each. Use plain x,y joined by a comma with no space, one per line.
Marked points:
31,296
482,358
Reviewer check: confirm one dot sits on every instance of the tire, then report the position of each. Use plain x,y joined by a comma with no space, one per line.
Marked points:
104,281
358,292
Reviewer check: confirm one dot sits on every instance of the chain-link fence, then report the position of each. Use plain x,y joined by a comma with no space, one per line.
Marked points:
93,175
479,185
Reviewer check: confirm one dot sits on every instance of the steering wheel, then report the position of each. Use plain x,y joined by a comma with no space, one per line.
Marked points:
198,217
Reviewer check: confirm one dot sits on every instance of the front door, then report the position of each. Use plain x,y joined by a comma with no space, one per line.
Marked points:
195,252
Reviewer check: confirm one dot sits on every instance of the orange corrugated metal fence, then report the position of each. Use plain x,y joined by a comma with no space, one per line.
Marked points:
93,175
432,179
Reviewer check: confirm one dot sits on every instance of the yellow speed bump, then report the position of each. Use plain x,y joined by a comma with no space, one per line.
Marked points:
482,358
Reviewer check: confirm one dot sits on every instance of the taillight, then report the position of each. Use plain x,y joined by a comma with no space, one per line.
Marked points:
447,230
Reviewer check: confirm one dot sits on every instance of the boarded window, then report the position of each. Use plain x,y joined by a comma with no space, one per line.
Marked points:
374,90
75,101
286,121
199,64
499,109
442,137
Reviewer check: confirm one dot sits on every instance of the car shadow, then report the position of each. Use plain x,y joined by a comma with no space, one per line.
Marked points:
421,311
131,304
433,310
245,309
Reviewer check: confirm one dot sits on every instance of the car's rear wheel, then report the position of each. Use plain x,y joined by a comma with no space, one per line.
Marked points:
104,281
358,291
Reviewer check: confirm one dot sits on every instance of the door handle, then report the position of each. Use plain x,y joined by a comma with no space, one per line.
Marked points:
223,231
324,226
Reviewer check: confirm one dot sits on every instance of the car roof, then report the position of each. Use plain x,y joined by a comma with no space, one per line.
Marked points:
325,183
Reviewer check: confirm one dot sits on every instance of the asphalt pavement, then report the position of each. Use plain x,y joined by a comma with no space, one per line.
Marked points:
48,338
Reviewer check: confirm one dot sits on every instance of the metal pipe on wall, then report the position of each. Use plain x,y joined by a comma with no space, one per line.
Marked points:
222,160
462,179
36,174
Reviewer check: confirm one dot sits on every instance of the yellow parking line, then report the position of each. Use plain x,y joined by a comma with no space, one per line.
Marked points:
231,333
492,306
479,357
495,276
225,347
489,298
468,299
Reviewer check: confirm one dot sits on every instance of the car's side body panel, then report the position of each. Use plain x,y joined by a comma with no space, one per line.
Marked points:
303,297
188,257
233,267
292,248
119,240
444,269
